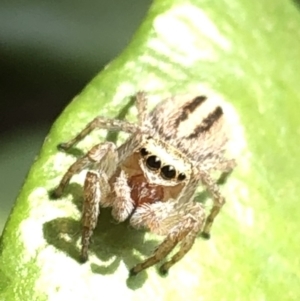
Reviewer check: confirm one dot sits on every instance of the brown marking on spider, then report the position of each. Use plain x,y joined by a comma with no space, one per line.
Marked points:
152,177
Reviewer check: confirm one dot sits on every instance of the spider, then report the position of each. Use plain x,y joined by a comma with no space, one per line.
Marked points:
152,177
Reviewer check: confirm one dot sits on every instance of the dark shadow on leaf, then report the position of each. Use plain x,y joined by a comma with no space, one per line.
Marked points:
112,243
73,189
202,196
76,191
224,177
63,233
74,151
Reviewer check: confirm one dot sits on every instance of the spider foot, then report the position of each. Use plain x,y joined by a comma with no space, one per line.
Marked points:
133,272
83,258
205,235
55,194
63,146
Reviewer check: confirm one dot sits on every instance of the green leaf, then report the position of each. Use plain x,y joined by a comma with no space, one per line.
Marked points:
246,52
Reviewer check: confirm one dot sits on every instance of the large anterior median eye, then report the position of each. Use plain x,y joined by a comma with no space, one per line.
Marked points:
153,163
168,172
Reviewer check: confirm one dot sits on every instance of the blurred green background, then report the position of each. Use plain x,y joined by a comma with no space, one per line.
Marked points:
48,52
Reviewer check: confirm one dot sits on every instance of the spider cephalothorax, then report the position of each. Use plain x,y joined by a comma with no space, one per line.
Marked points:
159,167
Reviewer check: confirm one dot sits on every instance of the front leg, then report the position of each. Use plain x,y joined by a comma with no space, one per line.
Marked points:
100,123
122,203
182,227
119,198
191,224
96,189
226,167
104,159
103,156
90,210
112,124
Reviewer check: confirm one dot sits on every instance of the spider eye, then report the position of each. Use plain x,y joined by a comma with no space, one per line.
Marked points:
181,176
144,152
168,172
153,162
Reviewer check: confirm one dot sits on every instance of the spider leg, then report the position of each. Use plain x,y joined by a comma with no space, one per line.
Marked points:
226,167
218,200
161,252
100,123
185,226
90,211
122,203
104,156
112,124
96,193
103,159
141,104
193,221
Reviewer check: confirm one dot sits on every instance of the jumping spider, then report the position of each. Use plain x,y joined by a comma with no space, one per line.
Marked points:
151,178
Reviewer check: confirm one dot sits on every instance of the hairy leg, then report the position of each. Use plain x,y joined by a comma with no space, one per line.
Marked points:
218,200
193,220
154,217
122,203
160,253
141,104
95,156
100,123
226,167
90,211
185,226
